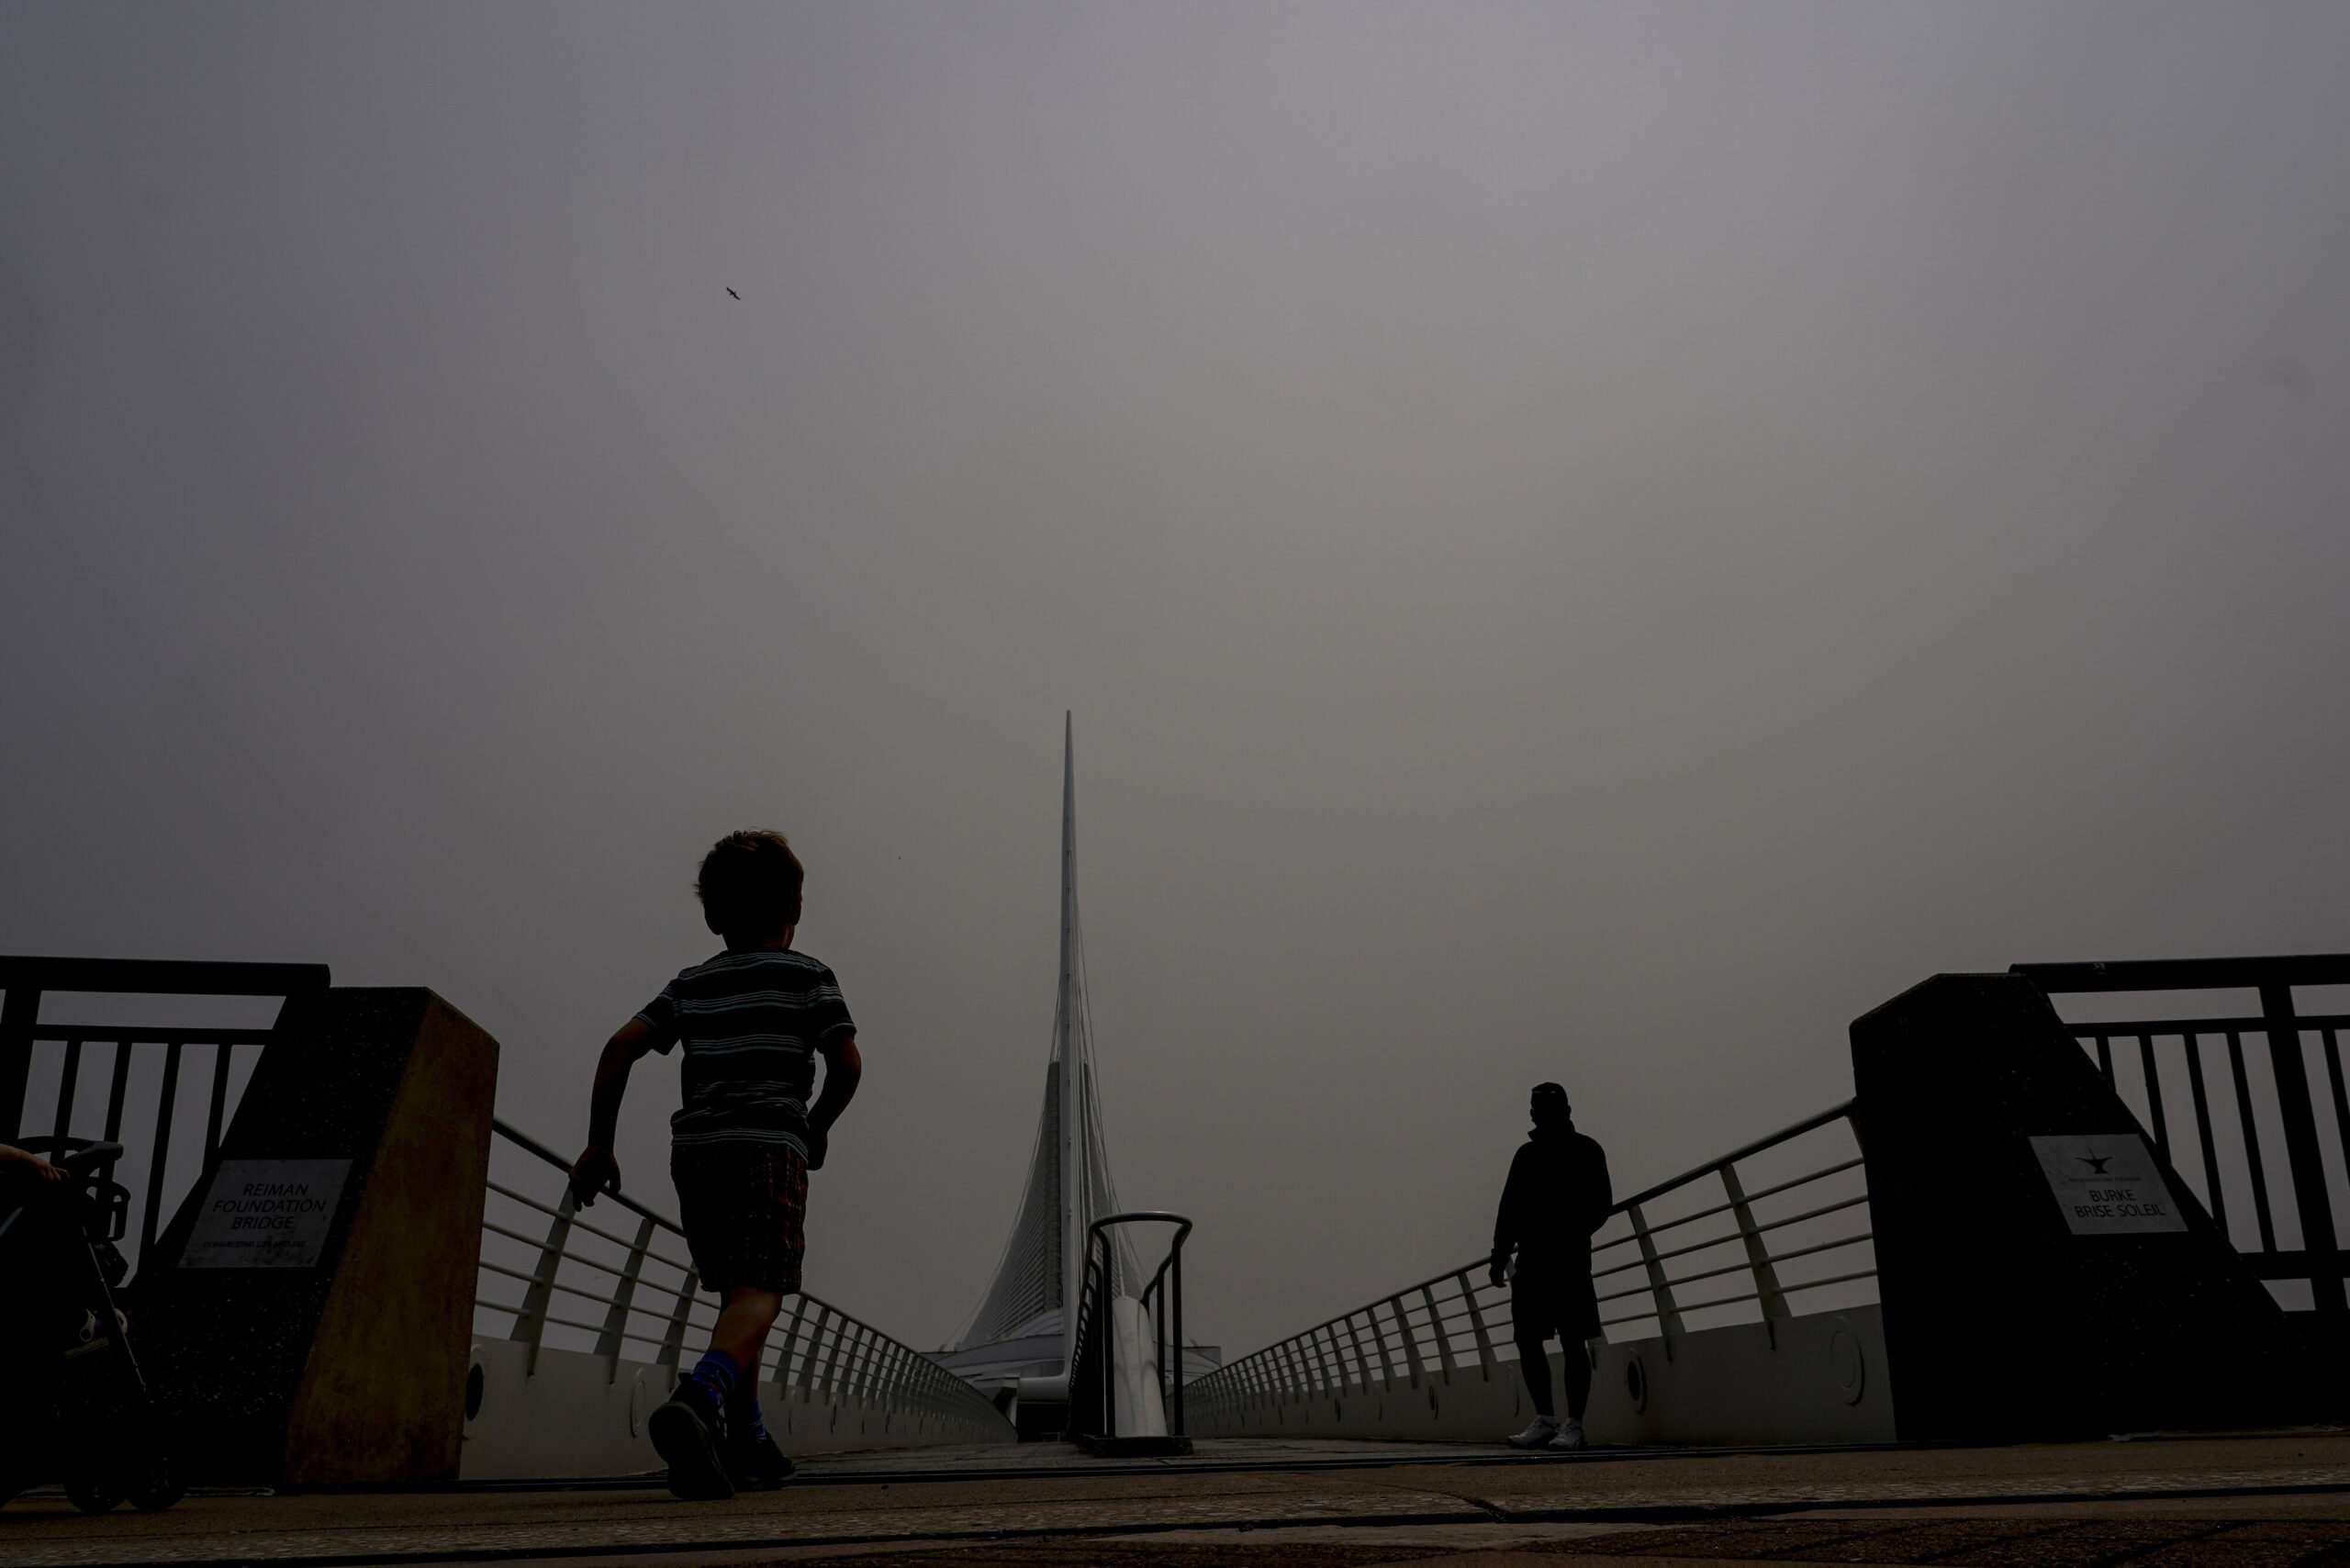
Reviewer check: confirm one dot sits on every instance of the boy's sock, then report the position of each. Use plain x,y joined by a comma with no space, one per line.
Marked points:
745,1423
717,1374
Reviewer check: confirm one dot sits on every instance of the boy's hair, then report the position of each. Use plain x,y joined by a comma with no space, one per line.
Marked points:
749,884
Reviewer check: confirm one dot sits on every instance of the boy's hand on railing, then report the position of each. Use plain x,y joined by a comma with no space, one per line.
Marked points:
1499,1273
593,1171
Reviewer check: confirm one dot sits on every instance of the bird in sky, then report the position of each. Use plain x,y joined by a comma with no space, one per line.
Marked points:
731,292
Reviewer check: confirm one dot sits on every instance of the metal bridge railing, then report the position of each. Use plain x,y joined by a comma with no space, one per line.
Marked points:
163,1090
605,1281
2250,1111
1751,1235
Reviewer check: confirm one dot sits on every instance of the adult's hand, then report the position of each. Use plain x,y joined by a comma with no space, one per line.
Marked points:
593,1171
1499,1273
11,1155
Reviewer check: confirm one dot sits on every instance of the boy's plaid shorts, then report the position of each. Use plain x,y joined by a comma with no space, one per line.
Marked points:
742,1205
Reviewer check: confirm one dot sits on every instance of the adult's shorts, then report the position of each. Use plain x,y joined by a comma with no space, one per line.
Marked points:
744,1207
1545,1302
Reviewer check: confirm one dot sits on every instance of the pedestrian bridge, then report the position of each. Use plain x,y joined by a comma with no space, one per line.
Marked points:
1917,1262
1911,1264
1740,1301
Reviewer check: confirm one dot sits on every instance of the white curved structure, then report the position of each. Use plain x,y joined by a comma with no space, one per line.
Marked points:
1020,1336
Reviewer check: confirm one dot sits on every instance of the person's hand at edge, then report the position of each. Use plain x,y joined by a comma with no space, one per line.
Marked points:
1499,1273
595,1170
11,1155
819,1140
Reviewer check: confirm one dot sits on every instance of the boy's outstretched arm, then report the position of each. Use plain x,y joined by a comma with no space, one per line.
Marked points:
842,1069
595,1170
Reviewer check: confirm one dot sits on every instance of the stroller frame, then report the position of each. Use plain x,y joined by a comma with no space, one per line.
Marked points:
89,1397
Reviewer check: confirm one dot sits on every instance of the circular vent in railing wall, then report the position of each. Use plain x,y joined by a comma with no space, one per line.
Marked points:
1846,1365
473,1391
1636,1383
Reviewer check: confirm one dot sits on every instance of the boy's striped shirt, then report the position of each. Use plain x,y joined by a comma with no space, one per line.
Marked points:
751,1020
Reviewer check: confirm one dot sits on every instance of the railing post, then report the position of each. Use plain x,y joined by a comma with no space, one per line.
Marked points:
166,1102
1436,1327
17,1015
852,1343
673,1343
1411,1342
1293,1376
69,1077
791,1338
1326,1383
1668,1315
1758,1257
530,1322
827,1388
2289,1069
217,1106
808,1355
1379,1342
608,1343
853,1363
1363,1366
1477,1321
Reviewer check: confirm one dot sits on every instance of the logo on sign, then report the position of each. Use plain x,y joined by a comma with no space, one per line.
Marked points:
2107,1184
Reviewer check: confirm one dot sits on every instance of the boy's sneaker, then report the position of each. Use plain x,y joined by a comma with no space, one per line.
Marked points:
757,1464
685,1432
1538,1435
1568,1438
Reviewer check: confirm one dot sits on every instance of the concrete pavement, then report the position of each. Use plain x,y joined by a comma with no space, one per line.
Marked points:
2279,1500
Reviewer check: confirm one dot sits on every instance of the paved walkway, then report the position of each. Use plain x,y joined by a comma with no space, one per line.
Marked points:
2263,1501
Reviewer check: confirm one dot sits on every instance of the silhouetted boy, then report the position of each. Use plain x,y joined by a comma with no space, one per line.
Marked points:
752,1021
1557,1195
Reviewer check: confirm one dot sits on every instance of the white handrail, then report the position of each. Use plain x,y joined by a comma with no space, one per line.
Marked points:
1451,1321
815,1343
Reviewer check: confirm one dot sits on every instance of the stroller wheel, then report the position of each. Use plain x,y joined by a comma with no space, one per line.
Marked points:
93,1494
157,1485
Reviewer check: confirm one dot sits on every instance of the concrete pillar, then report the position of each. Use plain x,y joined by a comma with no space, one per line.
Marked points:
346,1363
2004,1321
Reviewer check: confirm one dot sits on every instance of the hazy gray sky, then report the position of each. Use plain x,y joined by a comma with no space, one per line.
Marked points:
1593,542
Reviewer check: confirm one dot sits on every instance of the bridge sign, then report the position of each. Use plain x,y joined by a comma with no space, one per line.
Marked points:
266,1214
2106,1184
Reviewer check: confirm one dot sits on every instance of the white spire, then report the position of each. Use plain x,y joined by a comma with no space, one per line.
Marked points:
1034,1296
1072,1084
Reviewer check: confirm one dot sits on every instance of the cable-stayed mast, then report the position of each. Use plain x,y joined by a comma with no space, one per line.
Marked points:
1072,1082
1025,1324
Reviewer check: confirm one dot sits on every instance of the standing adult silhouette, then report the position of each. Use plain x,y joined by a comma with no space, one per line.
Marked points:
1558,1194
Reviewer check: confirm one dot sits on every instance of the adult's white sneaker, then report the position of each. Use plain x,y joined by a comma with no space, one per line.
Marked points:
1538,1435
1568,1436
